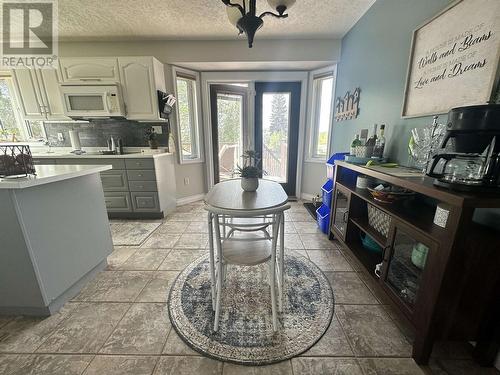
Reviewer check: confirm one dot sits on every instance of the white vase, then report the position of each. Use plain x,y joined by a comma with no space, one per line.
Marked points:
249,184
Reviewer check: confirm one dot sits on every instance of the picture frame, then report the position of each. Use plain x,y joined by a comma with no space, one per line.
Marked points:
451,63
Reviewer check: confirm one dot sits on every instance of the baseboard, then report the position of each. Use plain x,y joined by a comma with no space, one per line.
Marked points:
190,199
307,197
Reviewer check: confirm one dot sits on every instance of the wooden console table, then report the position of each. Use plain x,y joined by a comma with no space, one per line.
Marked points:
455,293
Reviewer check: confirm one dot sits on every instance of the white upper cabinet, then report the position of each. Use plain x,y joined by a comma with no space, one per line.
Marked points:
89,69
38,94
141,77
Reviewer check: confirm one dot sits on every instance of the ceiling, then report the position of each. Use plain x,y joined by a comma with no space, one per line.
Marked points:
113,20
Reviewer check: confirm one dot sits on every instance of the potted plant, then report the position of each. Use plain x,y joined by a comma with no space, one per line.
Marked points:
150,136
249,172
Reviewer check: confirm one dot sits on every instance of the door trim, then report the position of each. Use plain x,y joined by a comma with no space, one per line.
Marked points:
208,78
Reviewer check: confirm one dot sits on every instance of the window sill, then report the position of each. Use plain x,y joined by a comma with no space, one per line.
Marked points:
317,161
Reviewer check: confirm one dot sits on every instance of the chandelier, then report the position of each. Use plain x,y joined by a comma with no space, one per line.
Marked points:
245,17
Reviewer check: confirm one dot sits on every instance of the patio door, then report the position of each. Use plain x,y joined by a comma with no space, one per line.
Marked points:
277,113
228,107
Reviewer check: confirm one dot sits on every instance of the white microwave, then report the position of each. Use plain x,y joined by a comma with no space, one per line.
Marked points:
92,101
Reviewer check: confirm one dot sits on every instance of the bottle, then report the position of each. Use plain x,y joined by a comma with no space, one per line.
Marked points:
113,145
371,141
355,143
378,149
120,147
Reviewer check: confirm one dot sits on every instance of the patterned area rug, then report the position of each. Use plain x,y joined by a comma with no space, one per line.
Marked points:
245,333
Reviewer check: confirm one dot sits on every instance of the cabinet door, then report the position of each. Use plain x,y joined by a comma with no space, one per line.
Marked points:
340,217
139,88
92,69
29,94
405,261
49,83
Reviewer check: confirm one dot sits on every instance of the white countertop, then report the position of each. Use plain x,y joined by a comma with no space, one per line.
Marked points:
95,155
46,174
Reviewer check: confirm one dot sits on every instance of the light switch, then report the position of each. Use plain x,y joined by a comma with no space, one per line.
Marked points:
60,137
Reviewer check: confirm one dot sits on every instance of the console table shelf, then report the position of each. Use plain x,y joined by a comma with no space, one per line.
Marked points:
445,281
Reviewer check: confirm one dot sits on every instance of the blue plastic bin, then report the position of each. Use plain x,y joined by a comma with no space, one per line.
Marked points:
327,190
331,163
323,218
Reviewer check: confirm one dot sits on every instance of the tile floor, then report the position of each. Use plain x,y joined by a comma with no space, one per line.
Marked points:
118,324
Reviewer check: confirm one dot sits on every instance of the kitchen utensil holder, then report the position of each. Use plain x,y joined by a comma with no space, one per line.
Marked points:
16,160
378,220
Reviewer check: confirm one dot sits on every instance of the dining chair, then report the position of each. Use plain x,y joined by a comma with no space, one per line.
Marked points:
247,239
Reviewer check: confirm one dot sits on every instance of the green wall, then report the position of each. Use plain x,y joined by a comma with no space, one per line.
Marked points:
374,57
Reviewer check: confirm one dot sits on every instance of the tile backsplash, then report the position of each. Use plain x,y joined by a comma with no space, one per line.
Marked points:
95,133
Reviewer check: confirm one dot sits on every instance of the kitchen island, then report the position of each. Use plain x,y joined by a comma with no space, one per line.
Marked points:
54,237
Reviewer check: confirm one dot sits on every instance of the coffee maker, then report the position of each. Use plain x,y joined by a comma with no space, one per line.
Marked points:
469,157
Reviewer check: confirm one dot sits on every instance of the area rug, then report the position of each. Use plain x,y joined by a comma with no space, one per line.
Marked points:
245,334
131,233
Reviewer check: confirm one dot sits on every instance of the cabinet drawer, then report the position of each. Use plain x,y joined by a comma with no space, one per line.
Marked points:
115,163
145,201
114,180
118,202
140,163
142,186
141,175
44,161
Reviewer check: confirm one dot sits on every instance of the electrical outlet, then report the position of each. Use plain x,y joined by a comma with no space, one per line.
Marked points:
158,129
186,180
60,137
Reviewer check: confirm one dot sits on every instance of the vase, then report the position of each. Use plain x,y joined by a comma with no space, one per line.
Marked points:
249,184
153,144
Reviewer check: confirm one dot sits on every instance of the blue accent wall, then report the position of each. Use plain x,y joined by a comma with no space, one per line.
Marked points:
374,57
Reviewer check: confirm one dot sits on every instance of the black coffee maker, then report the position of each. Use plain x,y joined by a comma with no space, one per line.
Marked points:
469,157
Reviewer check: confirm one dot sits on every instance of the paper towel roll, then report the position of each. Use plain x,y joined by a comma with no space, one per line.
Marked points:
75,140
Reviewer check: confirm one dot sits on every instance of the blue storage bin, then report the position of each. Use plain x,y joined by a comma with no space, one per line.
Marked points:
327,190
323,218
331,163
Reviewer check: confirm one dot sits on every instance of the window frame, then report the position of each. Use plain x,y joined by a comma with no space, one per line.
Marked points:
314,104
194,101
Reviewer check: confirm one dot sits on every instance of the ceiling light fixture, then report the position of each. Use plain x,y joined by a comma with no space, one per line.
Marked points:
249,22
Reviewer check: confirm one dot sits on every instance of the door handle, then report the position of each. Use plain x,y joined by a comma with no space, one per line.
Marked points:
344,216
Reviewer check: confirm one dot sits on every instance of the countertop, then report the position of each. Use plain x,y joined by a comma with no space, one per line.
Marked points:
96,155
46,174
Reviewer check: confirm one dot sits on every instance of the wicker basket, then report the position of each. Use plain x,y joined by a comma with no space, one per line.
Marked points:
379,220
16,160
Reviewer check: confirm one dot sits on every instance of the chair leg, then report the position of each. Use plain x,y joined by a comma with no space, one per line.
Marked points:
219,276
272,276
212,258
282,260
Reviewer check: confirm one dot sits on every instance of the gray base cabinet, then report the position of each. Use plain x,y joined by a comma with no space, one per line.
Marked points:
135,187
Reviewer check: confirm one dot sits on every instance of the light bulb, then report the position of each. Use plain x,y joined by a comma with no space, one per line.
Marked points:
233,13
279,3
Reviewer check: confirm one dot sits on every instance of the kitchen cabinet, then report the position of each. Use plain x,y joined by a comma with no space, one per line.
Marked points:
38,94
89,69
341,210
141,77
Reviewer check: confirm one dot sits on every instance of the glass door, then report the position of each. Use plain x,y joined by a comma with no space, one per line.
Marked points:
228,113
340,211
277,111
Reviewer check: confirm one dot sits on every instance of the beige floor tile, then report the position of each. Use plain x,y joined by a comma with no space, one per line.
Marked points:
297,252
197,227
10,363
132,233
188,366
115,286
143,330
120,256
292,241
325,366
120,365
176,346
4,320
145,259
371,331
183,216
178,259
172,227
282,368
44,364
161,240
86,329
389,366
372,284
329,260
333,343
317,241
289,228
307,227
26,334
298,216
192,241
349,289
158,287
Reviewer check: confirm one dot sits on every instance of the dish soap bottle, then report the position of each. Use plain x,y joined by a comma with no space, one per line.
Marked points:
355,143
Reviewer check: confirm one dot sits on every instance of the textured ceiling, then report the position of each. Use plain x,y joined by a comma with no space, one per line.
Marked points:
199,19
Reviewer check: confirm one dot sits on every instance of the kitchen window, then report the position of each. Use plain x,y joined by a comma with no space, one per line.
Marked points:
187,92
12,127
322,87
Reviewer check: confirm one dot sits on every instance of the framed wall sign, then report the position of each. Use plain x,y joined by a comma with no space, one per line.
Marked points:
454,59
